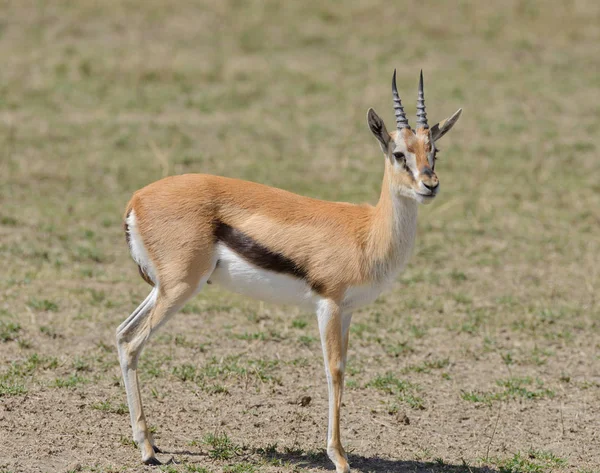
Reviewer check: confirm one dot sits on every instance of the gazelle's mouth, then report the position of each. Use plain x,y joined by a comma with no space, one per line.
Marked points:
425,198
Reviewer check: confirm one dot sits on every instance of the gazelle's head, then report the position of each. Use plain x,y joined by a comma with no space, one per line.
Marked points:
411,154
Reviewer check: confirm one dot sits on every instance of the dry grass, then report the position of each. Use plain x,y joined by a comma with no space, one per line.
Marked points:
486,345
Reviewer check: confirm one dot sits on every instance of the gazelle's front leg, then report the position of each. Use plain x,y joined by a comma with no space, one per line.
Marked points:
333,327
346,319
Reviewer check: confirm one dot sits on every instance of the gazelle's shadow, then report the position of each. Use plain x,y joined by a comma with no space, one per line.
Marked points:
361,464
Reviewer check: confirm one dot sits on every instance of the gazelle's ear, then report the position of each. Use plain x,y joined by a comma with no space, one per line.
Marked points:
443,127
378,129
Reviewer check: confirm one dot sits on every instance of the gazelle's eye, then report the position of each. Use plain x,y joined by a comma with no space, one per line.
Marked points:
399,156
401,159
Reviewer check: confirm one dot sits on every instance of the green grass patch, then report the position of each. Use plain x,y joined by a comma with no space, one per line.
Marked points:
399,349
307,340
360,330
403,391
107,406
532,461
9,331
389,383
27,367
474,396
191,308
42,304
242,467
196,469
525,388
48,331
513,388
185,372
221,447
299,323
11,388
71,381
14,380
79,364
262,336
232,367
428,365
413,401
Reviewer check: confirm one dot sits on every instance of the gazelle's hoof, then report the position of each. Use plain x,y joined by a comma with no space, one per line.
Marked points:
342,468
152,461
339,459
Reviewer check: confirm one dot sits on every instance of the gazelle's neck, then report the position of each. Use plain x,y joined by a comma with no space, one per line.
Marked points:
393,231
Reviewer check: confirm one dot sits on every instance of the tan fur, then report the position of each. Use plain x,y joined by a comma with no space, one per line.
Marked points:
176,218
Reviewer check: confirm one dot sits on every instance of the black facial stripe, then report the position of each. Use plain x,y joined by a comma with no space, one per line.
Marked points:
400,157
405,165
435,152
261,256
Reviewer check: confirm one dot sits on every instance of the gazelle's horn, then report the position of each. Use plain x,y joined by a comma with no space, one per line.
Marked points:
401,120
421,114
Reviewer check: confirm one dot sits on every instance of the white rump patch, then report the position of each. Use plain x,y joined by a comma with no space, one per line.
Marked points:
137,248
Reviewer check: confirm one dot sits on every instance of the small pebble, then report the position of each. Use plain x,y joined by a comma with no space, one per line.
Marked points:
402,418
304,401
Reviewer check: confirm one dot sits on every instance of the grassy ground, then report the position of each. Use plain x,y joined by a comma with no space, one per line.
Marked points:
484,355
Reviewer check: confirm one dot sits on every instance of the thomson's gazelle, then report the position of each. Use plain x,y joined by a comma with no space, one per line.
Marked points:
331,257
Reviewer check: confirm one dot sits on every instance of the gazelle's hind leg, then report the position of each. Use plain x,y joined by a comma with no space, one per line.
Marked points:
132,335
148,303
128,359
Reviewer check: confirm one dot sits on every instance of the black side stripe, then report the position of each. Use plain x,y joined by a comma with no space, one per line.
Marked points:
261,256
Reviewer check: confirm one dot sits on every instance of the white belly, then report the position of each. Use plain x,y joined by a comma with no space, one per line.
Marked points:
238,275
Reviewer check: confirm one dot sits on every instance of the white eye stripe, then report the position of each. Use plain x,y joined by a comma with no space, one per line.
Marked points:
411,166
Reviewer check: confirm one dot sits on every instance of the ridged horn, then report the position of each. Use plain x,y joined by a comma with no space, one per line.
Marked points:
421,114
401,120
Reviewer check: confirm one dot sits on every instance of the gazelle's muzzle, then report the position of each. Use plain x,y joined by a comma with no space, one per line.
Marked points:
429,180
428,186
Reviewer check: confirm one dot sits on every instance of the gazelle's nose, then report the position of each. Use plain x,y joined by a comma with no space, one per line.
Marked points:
433,185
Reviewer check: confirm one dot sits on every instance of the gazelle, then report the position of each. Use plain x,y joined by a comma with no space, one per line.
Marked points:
189,230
